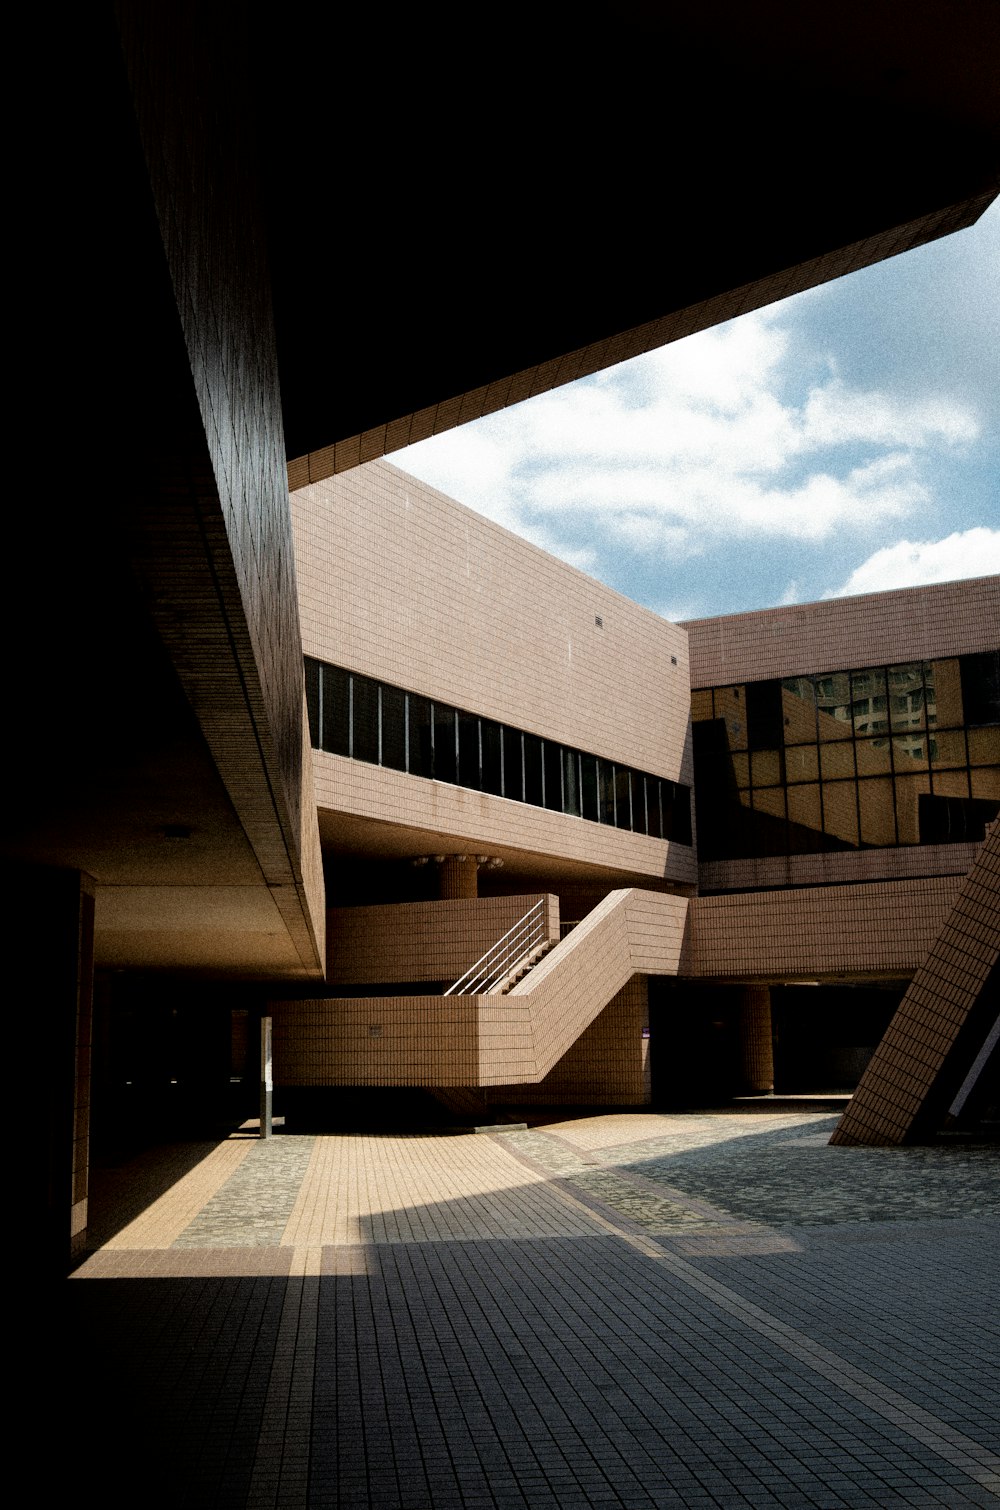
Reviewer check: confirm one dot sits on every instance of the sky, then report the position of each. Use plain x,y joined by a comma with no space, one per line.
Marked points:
845,440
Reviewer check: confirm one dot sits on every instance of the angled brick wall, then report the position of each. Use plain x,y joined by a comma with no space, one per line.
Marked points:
941,1021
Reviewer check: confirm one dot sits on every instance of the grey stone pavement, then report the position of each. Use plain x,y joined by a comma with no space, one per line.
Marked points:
629,1309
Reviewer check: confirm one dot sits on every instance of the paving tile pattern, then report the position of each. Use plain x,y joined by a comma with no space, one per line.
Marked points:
572,1316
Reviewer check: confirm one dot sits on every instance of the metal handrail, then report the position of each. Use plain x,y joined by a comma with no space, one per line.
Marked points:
501,958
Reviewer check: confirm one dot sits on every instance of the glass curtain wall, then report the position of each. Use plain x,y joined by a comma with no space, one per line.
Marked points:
869,758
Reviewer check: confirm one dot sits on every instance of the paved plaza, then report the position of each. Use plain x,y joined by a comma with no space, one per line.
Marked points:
634,1309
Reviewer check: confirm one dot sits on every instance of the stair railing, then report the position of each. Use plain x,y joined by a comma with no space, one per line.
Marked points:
501,958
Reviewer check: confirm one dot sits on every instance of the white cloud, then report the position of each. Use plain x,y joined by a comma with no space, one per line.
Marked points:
700,442
834,415
908,563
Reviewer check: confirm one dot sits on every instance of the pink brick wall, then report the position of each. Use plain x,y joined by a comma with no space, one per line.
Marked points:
400,583
416,941
944,619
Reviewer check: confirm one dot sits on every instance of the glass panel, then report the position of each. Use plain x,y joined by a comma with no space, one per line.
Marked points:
571,782
954,820
394,728
906,696
770,800
533,770
947,694
701,705
981,687
985,781
910,754
552,764
491,735
336,711
513,765
798,707
623,793
804,813
984,746
445,744
588,769
730,705
840,810
312,700
364,719
801,763
654,821
638,785
741,769
947,747
930,694
606,783
836,761
420,752
766,767
951,783
869,707
469,773
873,757
833,702
910,790
765,721
679,827
878,825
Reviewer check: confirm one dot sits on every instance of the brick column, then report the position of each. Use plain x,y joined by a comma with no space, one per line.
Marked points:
459,877
756,1053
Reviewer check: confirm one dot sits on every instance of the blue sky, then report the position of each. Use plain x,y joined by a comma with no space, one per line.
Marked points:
845,440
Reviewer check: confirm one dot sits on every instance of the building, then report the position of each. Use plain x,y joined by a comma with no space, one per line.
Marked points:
709,820
245,294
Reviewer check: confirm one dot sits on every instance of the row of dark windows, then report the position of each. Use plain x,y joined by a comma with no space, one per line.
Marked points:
874,757
368,720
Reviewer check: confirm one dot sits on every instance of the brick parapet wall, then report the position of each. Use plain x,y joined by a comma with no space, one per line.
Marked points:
840,867
929,623
418,941
881,928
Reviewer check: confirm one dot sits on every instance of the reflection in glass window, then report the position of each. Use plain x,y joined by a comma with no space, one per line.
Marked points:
980,675
891,740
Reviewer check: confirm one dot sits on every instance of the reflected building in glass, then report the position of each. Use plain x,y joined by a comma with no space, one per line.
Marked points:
863,757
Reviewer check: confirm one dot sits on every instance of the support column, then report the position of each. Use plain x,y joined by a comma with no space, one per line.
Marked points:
756,1051
50,914
459,877
266,1080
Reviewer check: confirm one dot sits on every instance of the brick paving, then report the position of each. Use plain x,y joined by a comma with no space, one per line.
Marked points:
621,1310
